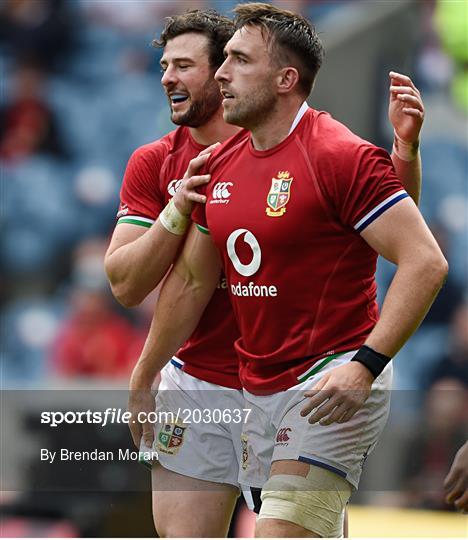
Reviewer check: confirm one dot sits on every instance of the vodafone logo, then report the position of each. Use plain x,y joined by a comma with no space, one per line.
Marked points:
221,193
173,186
244,269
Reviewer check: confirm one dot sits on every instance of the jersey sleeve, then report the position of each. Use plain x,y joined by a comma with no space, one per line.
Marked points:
366,186
141,199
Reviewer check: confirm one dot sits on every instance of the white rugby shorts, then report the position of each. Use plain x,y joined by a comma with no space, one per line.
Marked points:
275,430
201,438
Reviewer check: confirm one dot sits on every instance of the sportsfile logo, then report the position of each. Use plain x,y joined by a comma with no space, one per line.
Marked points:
221,193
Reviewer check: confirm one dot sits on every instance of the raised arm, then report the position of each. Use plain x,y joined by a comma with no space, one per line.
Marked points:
139,257
406,114
183,298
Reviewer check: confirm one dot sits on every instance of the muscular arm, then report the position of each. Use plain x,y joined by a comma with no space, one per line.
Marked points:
406,114
183,298
138,258
402,237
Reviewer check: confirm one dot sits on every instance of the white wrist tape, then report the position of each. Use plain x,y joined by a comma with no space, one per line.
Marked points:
403,150
172,220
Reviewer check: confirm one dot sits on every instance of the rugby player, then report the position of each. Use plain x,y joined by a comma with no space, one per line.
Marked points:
193,45
308,207
141,251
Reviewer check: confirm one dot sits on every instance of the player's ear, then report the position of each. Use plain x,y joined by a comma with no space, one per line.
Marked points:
287,79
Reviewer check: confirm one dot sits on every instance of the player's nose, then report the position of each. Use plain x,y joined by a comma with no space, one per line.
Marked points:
222,74
169,77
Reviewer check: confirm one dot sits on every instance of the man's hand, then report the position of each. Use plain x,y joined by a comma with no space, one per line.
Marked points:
186,195
456,482
339,394
405,109
140,400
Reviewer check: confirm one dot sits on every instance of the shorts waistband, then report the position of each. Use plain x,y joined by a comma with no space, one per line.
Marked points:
320,364
177,362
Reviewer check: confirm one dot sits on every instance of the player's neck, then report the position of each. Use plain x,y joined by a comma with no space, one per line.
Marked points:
215,130
276,126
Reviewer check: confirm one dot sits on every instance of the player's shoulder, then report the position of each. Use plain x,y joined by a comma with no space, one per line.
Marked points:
156,151
330,143
229,146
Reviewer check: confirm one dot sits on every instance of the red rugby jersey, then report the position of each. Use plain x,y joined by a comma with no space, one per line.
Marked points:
287,222
149,183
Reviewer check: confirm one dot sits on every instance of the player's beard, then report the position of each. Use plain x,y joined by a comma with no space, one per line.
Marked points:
249,111
202,107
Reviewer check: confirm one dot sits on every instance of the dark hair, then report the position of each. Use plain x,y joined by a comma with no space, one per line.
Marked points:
292,37
217,28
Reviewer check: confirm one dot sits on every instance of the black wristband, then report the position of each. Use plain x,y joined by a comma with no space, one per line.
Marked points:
374,361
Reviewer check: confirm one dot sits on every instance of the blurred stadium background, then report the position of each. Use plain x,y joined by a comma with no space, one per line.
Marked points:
79,91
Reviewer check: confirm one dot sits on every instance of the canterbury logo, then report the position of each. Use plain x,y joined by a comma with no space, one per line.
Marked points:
221,190
173,186
249,238
282,435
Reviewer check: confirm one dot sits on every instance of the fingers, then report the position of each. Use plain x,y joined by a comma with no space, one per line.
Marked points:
348,414
328,407
186,193
413,112
316,401
209,149
411,101
136,431
396,90
462,503
336,415
451,478
410,98
337,407
401,80
198,162
455,490
197,180
318,397
195,165
188,189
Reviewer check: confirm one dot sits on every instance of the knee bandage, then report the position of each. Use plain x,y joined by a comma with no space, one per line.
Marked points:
316,502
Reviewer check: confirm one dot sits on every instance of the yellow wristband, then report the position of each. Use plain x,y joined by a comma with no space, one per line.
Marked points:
172,220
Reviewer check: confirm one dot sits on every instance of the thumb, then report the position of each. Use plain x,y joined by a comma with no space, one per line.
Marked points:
148,434
196,164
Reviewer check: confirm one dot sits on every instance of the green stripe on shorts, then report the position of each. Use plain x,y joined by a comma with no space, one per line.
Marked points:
317,367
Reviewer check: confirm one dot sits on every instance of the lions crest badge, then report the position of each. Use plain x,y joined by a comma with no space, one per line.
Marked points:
279,194
170,438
